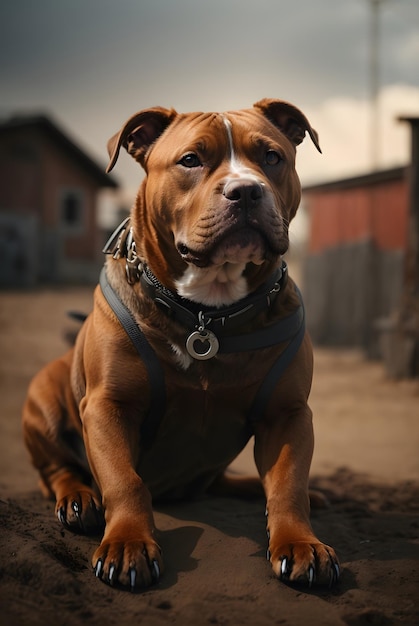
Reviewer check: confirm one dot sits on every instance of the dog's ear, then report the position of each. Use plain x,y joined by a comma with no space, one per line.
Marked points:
290,120
138,133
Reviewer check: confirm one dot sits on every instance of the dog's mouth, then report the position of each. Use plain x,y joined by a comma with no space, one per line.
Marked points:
246,245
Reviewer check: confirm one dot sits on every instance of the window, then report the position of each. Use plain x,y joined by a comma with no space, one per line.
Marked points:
72,209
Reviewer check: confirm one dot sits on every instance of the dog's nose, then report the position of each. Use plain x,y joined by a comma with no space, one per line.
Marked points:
245,191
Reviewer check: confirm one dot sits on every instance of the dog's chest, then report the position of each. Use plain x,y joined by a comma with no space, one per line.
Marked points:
200,434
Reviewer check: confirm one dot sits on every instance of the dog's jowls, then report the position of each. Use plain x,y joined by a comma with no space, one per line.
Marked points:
207,233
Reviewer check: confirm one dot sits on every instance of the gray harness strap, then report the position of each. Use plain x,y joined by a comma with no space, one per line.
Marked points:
268,384
154,369
291,329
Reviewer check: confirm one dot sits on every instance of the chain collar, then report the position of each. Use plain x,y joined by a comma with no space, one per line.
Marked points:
120,245
204,323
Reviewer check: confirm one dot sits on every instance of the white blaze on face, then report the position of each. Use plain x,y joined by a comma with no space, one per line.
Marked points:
222,283
237,169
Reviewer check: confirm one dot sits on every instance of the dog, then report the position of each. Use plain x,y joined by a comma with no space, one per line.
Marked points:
196,342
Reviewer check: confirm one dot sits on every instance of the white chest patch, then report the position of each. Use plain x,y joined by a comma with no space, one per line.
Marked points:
217,285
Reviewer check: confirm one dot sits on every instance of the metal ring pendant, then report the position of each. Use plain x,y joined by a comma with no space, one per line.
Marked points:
202,345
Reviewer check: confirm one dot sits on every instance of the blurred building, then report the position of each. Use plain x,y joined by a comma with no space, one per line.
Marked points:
48,206
353,271
361,270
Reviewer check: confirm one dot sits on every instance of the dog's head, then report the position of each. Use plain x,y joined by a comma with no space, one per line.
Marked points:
211,217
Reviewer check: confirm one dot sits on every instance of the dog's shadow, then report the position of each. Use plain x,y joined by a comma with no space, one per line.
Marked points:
178,545
182,525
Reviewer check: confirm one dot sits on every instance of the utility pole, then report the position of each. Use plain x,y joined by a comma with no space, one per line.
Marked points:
374,82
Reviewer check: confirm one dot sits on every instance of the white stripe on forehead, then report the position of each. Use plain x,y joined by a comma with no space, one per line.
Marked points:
236,168
228,126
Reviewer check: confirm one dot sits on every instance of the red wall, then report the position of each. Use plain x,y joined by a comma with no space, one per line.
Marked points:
376,212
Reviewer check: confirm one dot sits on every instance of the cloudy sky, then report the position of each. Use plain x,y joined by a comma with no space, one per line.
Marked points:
90,64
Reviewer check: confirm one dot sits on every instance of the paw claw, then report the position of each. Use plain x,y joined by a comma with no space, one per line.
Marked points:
334,575
111,574
284,567
311,575
76,508
61,516
155,571
132,577
99,568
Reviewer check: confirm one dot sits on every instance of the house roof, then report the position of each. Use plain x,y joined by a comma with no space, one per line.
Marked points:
380,176
50,128
413,120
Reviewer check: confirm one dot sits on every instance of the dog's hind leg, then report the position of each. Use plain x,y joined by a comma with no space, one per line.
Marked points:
250,487
236,486
52,433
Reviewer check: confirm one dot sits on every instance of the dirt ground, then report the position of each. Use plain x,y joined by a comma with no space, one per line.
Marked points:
366,461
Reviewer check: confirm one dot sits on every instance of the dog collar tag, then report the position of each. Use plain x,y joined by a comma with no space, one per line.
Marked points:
202,345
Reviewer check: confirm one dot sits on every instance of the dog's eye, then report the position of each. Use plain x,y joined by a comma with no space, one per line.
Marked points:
272,157
190,160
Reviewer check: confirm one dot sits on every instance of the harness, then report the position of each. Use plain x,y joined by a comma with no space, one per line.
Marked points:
210,330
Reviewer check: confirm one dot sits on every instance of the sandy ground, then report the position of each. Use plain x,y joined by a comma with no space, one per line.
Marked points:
366,460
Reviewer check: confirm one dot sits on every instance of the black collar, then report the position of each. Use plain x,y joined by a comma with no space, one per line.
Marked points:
221,320
190,314
209,330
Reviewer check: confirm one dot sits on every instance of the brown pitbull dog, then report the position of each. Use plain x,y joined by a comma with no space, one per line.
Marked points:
195,343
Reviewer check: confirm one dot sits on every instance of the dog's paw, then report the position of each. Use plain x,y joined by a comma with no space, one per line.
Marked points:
132,563
80,511
305,562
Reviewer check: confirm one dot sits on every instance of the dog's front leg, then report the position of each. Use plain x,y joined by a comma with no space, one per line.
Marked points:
283,452
129,553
